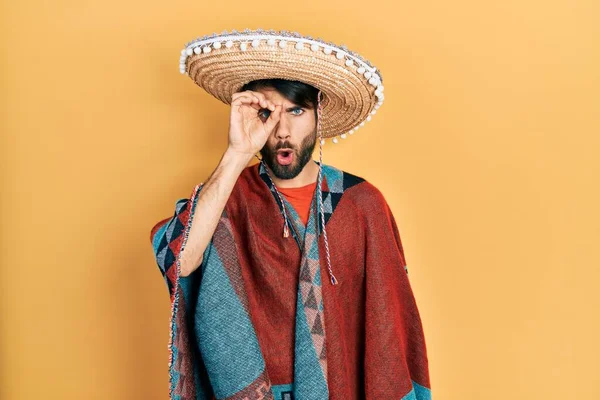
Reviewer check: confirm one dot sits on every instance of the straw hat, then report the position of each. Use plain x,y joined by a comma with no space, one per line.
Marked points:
352,88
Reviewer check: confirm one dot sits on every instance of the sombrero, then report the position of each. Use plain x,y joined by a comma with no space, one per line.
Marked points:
352,88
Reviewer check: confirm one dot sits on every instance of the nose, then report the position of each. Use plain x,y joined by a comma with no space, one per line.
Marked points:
282,131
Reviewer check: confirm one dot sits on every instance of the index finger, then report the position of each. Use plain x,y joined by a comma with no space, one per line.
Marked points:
262,99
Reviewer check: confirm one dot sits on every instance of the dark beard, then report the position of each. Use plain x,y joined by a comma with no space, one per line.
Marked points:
302,158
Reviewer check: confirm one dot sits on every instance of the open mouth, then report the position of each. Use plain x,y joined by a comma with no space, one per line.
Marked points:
285,156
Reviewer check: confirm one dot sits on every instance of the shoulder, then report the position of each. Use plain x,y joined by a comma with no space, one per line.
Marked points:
355,188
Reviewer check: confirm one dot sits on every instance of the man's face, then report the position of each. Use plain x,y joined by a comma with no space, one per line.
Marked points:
290,146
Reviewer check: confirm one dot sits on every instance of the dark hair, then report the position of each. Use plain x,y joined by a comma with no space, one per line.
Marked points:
300,93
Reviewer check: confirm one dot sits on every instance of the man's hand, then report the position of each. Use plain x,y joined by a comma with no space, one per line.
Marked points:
252,120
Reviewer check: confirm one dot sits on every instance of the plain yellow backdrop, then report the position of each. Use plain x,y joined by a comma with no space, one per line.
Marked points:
486,149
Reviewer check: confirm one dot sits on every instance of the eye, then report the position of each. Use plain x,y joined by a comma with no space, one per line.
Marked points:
298,109
264,113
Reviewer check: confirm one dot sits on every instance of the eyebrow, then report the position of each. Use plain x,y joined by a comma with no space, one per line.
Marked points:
292,108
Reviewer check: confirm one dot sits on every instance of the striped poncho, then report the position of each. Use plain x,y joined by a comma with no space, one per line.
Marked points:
259,318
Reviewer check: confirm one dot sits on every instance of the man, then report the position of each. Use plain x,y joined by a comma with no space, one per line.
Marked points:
254,314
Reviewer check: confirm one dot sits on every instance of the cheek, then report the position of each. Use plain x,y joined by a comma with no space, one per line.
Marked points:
305,123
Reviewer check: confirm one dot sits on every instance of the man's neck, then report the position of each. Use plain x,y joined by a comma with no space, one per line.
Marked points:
308,175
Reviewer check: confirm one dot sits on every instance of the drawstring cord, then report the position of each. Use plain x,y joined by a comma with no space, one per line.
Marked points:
319,110
286,231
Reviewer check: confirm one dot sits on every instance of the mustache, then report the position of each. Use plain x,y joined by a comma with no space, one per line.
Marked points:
284,145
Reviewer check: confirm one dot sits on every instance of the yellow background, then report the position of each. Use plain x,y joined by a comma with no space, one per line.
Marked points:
486,148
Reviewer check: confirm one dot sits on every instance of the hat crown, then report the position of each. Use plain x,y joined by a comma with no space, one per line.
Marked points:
249,34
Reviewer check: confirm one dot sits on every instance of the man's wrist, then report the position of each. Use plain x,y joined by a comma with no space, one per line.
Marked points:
236,158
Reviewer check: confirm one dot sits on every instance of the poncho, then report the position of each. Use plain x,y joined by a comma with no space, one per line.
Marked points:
260,319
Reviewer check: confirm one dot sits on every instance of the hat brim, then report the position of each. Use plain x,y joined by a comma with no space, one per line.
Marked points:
350,96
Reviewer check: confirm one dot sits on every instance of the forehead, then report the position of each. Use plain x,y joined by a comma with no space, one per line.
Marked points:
276,97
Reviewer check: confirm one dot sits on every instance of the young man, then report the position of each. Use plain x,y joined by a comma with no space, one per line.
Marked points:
287,277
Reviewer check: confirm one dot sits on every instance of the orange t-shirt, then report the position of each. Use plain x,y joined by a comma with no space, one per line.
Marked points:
300,197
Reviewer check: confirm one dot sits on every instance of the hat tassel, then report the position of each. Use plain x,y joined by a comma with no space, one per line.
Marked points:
286,230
